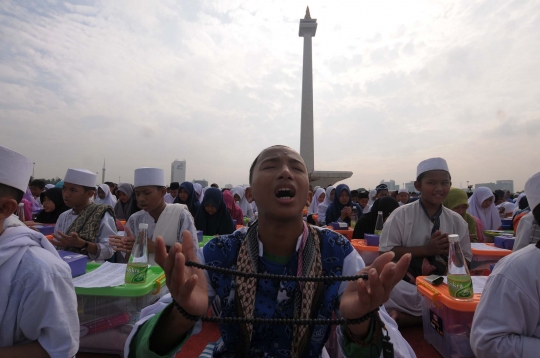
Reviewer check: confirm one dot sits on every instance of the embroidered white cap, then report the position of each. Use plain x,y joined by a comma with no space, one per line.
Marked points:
403,190
532,190
431,164
81,177
149,176
16,169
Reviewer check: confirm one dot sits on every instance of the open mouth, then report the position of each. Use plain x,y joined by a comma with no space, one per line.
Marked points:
284,193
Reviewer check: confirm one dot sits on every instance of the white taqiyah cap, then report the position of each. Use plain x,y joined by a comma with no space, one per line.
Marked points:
81,177
431,164
532,190
403,190
149,176
15,169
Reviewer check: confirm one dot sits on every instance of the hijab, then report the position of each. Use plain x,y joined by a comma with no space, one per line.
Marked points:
326,203
366,224
198,190
54,195
124,211
218,224
315,201
457,197
234,210
109,198
489,217
333,212
192,202
372,193
244,204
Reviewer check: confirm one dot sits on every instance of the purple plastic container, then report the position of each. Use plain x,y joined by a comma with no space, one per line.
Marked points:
335,226
45,229
77,262
371,239
504,242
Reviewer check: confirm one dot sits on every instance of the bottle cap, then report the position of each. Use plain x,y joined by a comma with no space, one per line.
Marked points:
379,213
453,238
143,226
21,204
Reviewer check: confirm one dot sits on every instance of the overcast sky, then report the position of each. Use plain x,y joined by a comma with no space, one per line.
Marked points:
142,83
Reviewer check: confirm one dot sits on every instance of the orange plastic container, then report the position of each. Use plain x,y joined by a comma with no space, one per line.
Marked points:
368,253
347,233
483,259
49,237
446,321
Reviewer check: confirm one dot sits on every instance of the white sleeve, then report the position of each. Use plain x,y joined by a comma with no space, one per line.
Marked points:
523,232
106,228
321,211
505,320
189,225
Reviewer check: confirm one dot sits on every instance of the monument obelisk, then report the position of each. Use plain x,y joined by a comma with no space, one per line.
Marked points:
308,27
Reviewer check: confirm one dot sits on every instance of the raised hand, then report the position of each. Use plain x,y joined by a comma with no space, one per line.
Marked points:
63,240
122,243
186,284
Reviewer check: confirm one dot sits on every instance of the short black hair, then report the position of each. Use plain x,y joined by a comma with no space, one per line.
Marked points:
39,183
419,178
88,188
11,192
214,185
354,192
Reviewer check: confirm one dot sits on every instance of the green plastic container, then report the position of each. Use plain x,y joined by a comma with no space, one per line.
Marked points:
155,280
205,240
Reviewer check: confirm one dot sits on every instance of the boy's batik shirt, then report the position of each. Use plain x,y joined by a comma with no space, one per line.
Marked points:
275,299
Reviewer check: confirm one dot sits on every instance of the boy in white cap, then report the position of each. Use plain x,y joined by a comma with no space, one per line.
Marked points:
166,220
507,318
86,227
528,230
421,229
38,306
403,196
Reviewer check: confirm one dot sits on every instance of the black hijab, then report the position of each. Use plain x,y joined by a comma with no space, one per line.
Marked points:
221,222
333,213
366,224
192,202
54,195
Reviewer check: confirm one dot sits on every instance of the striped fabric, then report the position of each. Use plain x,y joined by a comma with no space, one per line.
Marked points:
207,352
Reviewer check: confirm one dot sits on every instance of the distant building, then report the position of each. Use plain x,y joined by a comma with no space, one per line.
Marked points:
391,184
499,184
178,171
203,182
410,186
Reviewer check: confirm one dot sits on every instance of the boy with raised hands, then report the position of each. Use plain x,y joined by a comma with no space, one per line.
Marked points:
38,305
279,243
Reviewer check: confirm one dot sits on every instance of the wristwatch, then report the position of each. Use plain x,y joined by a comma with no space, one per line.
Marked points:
84,248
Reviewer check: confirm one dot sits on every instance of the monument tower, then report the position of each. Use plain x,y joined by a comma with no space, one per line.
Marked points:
308,27
103,172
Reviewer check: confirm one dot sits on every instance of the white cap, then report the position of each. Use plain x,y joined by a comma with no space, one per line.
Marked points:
143,226
149,176
453,238
16,169
431,164
532,190
81,177
403,190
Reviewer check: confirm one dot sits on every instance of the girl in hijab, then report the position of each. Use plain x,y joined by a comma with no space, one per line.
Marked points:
318,198
53,206
198,191
342,205
213,217
366,224
126,204
457,201
328,197
187,196
482,206
239,194
234,210
104,196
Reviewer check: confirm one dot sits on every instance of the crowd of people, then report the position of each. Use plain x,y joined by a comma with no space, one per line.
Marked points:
275,225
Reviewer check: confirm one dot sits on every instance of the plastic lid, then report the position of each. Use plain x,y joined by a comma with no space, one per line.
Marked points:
143,226
453,238
21,204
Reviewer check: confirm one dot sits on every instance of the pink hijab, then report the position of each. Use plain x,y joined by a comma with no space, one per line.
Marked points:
234,210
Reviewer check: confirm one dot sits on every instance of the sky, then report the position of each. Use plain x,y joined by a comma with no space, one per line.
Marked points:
142,83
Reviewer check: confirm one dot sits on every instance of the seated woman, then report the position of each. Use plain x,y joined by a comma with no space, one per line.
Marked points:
482,206
127,204
213,217
457,201
328,197
104,196
341,208
239,194
188,197
366,224
234,210
53,206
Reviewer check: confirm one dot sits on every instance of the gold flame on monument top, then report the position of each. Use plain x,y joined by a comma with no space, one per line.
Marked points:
308,16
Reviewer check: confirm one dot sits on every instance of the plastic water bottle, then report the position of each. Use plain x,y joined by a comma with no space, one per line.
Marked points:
354,217
21,213
459,279
137,267
379,224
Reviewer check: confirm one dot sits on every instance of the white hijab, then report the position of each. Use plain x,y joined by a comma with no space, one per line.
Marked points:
198,189
371,195
314,206
518,199
489,217
109,198
327,200
244,204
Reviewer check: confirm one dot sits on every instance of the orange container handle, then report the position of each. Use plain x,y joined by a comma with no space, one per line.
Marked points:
432,290
159,283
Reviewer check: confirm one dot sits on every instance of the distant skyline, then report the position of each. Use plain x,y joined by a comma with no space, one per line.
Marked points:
141,83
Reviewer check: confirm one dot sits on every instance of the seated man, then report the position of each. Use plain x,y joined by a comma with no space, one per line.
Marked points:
507,320
38,306
279,243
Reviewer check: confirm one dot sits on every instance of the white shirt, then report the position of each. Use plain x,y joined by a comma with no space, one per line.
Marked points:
106,228
524,231
409,226
507,320
168,198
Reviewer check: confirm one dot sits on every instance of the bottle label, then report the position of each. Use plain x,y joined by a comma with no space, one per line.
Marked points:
353,223
136,273
378,232
460,286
